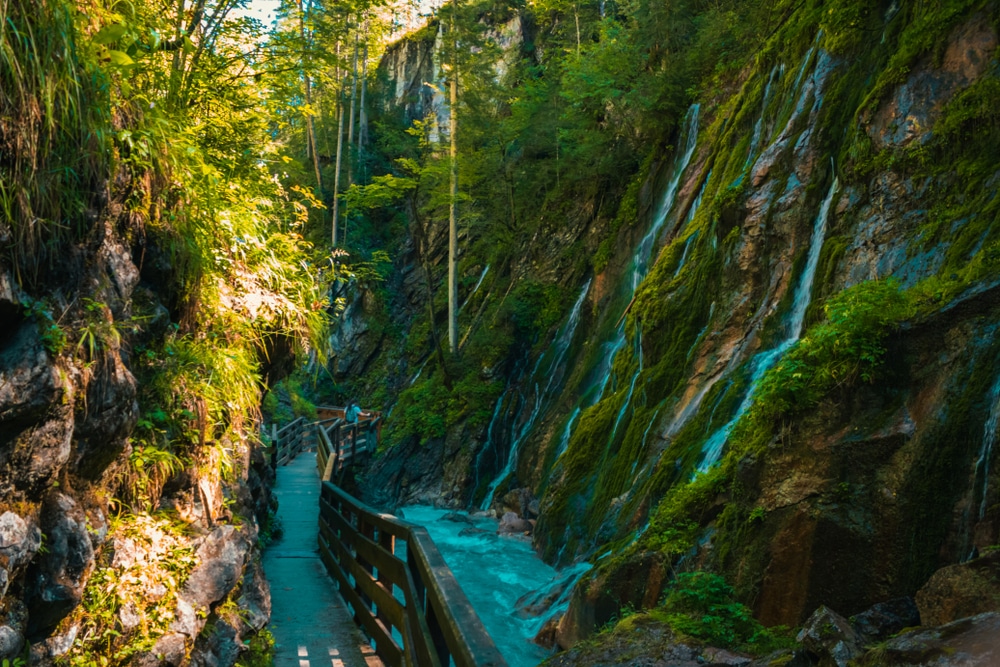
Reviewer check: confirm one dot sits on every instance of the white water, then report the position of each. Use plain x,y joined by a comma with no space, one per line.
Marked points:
989,440
764,361
420,370
689,137
567,432
560,346
474,289
514,444
494,572
640,259
631,387
776,73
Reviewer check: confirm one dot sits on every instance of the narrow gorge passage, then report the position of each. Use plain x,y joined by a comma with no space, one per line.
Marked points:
671,327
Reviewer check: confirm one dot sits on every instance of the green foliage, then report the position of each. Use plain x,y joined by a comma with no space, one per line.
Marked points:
52,334
259,650
845,349
167,560
702,605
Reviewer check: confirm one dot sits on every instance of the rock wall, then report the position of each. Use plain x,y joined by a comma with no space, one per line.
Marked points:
68,413
646,434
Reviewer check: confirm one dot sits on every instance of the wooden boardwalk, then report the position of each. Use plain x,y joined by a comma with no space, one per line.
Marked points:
311,625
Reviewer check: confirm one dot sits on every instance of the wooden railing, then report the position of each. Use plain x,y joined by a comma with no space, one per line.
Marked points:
288,442
338,444
399,587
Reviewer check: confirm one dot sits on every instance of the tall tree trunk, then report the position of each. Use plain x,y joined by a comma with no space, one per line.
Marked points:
362,114
453,209
311,147
336,169
350,125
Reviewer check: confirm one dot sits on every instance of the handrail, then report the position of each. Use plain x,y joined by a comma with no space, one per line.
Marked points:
340,444
287,442
434,623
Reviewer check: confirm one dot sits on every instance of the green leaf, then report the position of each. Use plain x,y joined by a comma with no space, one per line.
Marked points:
109,33
120,58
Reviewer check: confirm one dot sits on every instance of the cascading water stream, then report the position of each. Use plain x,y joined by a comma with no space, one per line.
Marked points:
764,361
989,441
758,129
567,432
631,387
640,260
559,348
474,289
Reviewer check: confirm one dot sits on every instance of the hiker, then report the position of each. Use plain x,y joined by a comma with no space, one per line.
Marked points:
352,413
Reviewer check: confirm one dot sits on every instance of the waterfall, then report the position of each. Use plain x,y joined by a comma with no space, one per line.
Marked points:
631,387
762,362
489,435
689,139
559,348
640,259
567,432
474,289
776,73
989,440
420,370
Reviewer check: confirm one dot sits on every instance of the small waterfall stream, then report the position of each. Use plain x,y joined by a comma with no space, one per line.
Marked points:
765,361
554,371
989,441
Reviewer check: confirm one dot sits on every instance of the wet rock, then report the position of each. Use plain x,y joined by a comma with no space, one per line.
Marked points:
457,517
517,501
512,524
718,657
830,637
546,636
471,531
967,642
962,590
56,578
886,619
909,115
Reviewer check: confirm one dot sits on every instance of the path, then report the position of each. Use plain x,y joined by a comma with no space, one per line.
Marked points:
311,625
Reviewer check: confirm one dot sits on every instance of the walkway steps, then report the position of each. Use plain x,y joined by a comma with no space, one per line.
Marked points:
311,625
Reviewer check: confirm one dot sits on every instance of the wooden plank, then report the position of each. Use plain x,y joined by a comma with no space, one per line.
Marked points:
294,424
365,548
384,601
385,645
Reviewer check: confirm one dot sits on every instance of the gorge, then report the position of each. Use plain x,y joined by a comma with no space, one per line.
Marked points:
728,295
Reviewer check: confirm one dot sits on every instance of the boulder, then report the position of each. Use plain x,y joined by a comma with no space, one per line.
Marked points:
830,637
966,642
958,591
221,559
886,619
512,524
457,517
255,597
